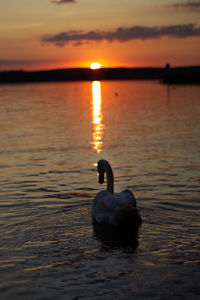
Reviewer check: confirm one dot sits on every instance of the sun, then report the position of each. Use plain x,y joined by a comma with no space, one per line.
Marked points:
95,65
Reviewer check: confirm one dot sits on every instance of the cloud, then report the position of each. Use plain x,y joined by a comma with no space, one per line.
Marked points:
5,62
121,34
63,1
187,5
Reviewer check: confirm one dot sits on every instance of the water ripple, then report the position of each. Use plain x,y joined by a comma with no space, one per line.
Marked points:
50,247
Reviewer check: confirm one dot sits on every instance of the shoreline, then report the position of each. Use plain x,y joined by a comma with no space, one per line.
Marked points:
167,75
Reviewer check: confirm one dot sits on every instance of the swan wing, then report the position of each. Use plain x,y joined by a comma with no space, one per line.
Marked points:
126,198
106,204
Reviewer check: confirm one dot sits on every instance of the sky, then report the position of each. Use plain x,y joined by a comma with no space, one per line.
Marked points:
46,34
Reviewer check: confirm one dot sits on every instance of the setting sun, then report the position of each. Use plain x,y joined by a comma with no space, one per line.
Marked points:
95,65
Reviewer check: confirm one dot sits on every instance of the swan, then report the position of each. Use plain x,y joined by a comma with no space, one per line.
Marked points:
117,209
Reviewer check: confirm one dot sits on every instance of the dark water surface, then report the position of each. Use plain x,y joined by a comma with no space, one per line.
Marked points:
52,135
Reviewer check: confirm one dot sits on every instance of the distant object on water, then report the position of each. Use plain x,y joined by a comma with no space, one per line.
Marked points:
118,209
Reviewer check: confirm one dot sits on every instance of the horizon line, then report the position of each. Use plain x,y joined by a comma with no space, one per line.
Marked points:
102,68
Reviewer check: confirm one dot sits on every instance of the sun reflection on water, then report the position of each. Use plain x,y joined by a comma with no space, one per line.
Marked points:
97,116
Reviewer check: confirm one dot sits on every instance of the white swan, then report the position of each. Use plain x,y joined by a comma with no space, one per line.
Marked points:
114,209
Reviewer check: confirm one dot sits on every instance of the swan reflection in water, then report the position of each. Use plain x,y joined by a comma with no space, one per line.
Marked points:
97,117
112,238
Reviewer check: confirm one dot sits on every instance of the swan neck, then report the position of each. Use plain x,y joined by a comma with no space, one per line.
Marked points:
110,187
110,178
102,168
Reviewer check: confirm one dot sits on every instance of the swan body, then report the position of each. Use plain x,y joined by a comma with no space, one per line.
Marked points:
117,209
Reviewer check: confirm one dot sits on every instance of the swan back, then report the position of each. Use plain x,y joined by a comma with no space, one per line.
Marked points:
115,209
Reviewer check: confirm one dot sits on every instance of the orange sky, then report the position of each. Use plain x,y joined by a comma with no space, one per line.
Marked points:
73,33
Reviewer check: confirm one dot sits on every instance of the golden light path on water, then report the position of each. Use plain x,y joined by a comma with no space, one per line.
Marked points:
97,116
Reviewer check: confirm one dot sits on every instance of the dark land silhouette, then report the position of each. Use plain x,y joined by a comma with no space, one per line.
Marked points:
168,75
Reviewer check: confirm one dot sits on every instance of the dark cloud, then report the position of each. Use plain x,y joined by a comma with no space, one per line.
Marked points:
187,5
122,34
63,1
4,63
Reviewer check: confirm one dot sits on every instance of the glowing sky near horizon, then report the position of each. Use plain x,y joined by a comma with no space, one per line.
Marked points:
74,33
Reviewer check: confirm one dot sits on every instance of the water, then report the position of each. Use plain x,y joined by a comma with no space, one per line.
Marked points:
52,134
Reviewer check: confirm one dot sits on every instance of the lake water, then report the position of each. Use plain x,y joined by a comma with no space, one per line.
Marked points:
52,135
